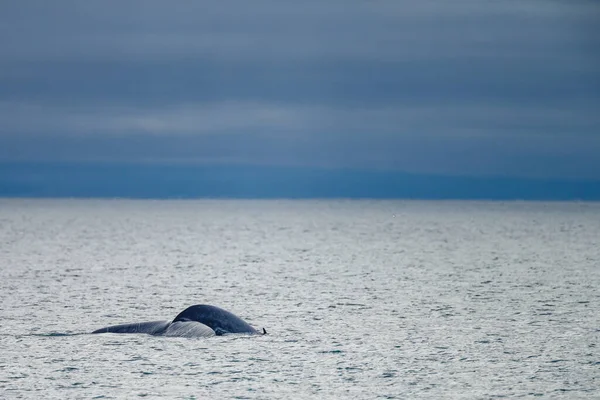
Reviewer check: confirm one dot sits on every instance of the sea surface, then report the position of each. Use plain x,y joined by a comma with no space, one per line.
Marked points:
361,299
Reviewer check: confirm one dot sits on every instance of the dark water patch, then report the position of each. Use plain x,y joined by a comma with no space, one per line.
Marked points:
19,376
193,373
352,304
56,334
114,344
136,358
565,390
241,378
75,385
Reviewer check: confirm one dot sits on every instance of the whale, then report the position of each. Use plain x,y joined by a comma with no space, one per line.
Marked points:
200,320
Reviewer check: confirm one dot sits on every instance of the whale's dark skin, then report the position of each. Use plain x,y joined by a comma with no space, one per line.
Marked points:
196,321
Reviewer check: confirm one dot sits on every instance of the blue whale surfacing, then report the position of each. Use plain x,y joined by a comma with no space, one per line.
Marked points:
196,321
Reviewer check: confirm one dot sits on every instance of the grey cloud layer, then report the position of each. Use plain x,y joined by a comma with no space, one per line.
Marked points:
513,82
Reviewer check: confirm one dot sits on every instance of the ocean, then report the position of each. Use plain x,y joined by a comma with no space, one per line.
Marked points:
361,299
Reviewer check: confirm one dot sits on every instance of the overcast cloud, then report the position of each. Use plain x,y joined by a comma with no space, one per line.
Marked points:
453,87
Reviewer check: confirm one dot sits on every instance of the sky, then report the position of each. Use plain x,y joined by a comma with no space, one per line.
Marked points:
469,88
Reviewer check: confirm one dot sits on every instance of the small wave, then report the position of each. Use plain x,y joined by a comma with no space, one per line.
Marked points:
55,334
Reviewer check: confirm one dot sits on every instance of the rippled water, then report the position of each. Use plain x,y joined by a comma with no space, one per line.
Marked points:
454,300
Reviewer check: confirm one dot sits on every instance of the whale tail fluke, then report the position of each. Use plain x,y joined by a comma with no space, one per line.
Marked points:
264,332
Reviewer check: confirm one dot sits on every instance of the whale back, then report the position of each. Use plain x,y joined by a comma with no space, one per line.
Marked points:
216,318
151,328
